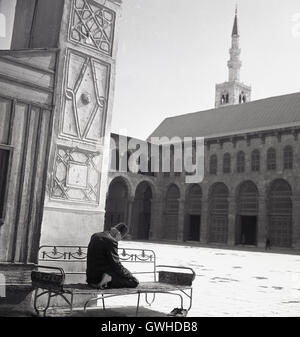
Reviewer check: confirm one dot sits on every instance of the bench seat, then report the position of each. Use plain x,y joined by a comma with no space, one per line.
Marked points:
143,287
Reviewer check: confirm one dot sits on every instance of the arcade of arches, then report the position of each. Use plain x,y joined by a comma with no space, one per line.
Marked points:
214,222
136,213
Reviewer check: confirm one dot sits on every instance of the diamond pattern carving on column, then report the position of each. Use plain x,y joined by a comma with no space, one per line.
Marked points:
92,25
76,175
85,97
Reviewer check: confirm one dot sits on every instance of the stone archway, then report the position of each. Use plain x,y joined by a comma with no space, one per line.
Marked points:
170,225
116,203
218,213
193,213
280,214
142,212
247,214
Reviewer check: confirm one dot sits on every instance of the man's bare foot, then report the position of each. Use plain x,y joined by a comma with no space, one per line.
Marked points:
105,279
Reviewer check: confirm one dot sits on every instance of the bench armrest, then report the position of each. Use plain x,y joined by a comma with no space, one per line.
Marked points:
52,278
178,277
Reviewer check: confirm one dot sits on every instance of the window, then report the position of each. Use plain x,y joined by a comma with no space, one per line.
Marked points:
115,160
240,164
213,164
288,158
189,166
226,163
143,163
4,161
242,98
271,159
224,98
178,167
255,161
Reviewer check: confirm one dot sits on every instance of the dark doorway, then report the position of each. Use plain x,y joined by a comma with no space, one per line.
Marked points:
218,209
170,228
248,230
116,203
194,228
280,214
142,212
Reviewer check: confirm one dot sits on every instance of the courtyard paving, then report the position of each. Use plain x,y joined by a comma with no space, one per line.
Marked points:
230,283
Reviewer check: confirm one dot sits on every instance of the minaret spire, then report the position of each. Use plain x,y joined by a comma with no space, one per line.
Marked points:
233,91
235,30
234,64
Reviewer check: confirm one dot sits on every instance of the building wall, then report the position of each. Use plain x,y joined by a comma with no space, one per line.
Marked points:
277,138
26,99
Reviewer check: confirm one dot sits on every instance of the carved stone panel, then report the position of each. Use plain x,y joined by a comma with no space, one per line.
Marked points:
92,25
76,176
85,97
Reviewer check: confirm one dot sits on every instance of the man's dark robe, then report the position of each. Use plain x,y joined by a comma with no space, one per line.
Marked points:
102,257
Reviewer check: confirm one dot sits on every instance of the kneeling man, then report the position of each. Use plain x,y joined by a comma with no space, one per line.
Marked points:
104,269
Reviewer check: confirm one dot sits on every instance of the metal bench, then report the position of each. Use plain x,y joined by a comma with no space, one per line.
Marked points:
52,277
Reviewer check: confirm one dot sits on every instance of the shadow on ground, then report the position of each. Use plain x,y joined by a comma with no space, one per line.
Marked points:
112,312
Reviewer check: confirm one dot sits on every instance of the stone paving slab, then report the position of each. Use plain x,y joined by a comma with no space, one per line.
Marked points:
229,283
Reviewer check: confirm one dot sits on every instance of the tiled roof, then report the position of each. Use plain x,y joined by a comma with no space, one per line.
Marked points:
265,114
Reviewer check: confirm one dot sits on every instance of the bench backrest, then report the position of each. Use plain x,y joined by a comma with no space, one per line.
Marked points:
73,260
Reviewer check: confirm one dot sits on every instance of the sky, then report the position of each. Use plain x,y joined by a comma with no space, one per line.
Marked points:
172,53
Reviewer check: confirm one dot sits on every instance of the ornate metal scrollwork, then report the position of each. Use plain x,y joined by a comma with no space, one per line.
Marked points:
80,253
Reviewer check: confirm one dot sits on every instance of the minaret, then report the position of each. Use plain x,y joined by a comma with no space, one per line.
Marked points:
234,64
233,91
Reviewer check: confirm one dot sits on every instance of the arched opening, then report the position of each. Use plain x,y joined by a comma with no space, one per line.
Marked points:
193,213
116,203
242,98
280,209
143,163
255,161
213,164
271,160
226,163
170,228
142,212
224,98
288,158
218,213
247,202
240,162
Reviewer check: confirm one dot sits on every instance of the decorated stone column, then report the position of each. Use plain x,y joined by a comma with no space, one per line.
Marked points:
152,222
130,217
231,221
296,223
262,223
204,222
181,218
85,32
